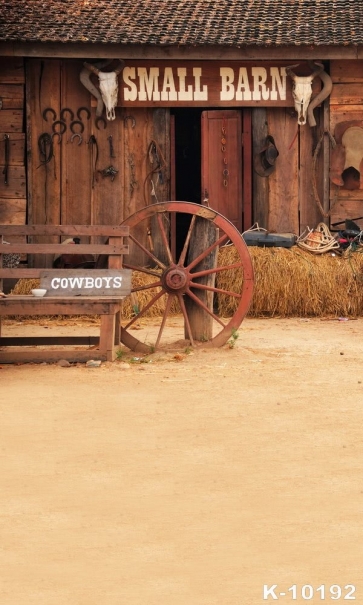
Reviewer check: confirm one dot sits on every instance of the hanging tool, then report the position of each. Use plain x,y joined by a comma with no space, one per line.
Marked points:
92,141
110,171
45,145
7,158
112,154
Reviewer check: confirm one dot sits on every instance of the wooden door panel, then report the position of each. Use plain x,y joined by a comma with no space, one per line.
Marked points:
222,162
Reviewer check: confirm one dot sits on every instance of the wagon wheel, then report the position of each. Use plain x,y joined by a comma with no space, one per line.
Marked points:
182,279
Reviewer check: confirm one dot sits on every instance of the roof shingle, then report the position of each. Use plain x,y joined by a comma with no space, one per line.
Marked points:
184,22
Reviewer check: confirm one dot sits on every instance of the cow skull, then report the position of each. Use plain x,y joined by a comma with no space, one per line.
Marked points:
302,91
108,87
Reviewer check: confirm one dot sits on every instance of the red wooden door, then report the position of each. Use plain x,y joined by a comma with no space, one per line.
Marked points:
226,164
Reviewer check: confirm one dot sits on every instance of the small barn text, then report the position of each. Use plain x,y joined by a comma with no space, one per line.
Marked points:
170,85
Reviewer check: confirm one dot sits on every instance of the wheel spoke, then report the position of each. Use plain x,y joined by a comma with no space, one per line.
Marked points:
146,308
169,301
187,241
216,290
150,254
204,307
141,269
216,270
186,318
165,239
205,253
147,286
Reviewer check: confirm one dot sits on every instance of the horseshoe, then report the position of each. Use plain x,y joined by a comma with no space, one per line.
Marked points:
133,121
77,134
47,110
58,134
63,127
100,119
79,111
66,110
79,124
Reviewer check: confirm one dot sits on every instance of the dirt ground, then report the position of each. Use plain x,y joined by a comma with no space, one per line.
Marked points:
198,478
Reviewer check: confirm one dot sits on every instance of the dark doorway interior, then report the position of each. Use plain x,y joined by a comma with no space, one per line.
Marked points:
187,165
188,154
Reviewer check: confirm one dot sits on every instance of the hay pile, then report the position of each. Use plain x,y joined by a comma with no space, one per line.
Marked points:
288,283
295,283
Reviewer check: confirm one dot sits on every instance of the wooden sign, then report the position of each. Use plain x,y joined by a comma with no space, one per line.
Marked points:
205,84
86,282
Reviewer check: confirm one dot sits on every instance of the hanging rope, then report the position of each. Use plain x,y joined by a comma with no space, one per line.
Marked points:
315,188
157,159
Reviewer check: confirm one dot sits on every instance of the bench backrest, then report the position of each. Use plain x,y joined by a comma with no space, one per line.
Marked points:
109,255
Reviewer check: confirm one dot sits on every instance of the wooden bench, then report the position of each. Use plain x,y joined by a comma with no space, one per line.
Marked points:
95,291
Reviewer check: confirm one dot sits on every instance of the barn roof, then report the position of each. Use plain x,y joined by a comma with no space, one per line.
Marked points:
232,23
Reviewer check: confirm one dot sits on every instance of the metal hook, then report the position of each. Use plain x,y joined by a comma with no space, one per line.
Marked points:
100,119
133,121
79,111
80,124
57,134
63,127
49,110
77,134
67,110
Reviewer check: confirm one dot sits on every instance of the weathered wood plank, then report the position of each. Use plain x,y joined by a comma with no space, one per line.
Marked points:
133,51
16,148
13,211
347,209
12,70
79,305
42,91
79,171
108,249
342,113
309,213
104,187
11,120
12,96
260,184
346,71
16,187
17,341
68,230
347,94
283,183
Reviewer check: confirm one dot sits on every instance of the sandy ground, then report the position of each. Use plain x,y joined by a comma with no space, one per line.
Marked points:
197,478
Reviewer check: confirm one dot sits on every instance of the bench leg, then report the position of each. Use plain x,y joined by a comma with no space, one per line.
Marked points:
108,336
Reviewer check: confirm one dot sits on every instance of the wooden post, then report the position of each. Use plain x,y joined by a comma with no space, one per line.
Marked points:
201,323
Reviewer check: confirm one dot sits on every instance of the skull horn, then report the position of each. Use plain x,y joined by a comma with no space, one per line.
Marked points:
323,94
120,67
289,71
84,77
92,68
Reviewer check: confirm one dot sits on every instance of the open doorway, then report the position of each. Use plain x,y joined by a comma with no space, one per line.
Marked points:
187,150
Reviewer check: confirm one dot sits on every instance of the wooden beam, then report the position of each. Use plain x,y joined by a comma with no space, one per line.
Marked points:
96,51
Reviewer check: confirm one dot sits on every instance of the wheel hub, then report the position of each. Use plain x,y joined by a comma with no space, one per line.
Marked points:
175,279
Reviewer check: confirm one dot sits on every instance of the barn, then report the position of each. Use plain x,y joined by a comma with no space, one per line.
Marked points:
204,112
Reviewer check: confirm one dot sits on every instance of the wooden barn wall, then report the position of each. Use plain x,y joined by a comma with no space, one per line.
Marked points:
346,103
12,124
284,201
72,187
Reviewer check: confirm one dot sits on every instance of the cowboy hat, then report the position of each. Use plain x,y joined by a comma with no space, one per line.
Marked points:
264,161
